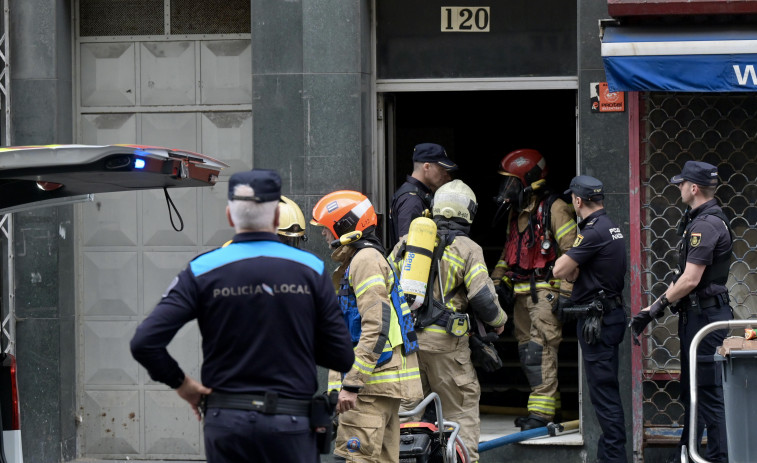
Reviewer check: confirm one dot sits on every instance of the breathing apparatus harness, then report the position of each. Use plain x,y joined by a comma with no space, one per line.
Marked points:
433,311
533,258
348,299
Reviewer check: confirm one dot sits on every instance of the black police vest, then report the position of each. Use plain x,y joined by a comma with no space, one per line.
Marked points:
717,272
406,188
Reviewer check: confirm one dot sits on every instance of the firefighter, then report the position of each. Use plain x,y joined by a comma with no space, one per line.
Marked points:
431,168
461,285
291,228
268,315
540,227
381,329
699,296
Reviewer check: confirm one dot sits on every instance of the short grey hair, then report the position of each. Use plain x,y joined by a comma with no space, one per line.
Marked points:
250,215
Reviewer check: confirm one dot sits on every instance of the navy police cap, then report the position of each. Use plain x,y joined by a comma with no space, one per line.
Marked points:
697,172
586,187
431,152
265,184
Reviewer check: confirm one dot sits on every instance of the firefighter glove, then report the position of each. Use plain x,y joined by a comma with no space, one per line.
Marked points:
484,355
506,296
638,323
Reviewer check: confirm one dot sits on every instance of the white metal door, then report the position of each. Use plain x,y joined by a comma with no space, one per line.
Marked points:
191,92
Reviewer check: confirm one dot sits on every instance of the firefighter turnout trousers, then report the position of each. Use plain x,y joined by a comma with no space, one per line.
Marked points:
539,334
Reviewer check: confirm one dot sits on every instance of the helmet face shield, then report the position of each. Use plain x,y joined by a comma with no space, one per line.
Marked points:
510,189
293,241
510,196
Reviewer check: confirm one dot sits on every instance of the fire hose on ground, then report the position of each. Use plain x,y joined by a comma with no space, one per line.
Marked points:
549,430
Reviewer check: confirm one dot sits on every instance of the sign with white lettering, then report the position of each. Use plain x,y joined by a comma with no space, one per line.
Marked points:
713,59
605,101
465,19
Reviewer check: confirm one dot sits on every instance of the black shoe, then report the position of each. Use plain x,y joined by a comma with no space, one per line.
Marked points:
520,420
533,422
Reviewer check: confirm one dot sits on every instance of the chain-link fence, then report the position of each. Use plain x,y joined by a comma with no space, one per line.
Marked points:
720,129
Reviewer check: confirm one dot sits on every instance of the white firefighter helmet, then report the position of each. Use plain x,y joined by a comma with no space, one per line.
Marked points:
455,200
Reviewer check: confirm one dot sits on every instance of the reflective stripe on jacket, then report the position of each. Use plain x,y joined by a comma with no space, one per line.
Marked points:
563,231
371,279
463,277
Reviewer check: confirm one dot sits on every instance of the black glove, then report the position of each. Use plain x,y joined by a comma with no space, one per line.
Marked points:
592,329
657,309
506,296
484,355
638,323
562,302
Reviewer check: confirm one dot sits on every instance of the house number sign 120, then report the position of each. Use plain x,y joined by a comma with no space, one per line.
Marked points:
465,19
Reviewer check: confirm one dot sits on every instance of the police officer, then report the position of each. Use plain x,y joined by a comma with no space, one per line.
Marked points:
268,314
445,354
381,329
700,297
540,226
431,168
597,265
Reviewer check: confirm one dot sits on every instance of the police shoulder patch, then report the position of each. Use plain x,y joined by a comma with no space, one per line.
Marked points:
579,238
696,238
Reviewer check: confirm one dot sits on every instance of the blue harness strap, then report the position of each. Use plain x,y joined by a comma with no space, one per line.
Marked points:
348,304
407,324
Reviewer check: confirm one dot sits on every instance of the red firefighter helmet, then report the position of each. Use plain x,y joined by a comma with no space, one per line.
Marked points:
526,164
344,211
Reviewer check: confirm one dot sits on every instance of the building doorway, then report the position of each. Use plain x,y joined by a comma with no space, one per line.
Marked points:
477,128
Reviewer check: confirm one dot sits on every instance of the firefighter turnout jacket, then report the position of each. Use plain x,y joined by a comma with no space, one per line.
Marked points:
445,358
524,253
465,284
371,279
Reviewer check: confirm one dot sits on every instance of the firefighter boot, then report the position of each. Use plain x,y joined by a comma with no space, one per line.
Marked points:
532,422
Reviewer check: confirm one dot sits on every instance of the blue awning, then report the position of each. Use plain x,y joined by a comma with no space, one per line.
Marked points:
681,60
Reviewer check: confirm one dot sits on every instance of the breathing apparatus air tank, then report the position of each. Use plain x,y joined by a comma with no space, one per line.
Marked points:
416,265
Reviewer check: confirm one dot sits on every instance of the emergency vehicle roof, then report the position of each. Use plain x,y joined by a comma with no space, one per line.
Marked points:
30,174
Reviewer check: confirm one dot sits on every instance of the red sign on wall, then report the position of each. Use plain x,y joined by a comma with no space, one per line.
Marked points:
605,101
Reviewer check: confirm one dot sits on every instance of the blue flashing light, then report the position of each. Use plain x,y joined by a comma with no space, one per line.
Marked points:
139,163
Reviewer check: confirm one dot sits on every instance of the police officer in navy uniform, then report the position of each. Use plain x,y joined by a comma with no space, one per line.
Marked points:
597,265
431,168
267,314
700,297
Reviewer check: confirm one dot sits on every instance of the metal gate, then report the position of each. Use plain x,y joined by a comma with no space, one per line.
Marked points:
174,73
720,129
